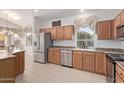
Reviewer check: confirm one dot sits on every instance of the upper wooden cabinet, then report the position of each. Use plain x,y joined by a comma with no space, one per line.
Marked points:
104,29
89,61
59,33
122,17
118,20
100,62
53,33
68,32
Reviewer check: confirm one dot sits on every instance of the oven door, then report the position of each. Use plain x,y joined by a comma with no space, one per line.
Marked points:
110,71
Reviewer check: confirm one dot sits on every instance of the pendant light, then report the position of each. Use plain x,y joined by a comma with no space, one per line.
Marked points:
5,28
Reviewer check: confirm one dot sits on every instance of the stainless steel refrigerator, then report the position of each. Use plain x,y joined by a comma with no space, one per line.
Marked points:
42,42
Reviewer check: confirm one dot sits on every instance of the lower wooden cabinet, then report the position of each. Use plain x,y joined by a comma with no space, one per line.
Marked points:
77,60
57,57
88,61
50,55
100,62
7,70
20,62
54,56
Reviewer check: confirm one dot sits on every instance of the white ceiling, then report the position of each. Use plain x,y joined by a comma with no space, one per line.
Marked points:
49,14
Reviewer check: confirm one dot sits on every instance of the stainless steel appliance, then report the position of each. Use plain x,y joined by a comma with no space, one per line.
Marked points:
42,42
111,65
66,57
120,32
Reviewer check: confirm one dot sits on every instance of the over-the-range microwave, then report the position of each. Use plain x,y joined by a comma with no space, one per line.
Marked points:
120,32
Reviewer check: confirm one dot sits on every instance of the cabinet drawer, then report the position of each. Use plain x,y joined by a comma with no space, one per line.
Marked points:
118,79
77,52
88,53
56,50
120,72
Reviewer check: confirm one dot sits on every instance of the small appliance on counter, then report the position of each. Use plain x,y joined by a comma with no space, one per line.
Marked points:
111,66
41,44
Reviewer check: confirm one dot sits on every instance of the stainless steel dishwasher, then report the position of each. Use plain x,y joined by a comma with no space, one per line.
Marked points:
66,57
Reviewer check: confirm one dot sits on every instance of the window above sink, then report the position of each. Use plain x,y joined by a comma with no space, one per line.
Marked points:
85,38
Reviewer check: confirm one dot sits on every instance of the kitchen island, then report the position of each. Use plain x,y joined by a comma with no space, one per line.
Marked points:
11,64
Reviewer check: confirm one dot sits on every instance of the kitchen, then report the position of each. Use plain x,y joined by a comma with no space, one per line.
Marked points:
70,45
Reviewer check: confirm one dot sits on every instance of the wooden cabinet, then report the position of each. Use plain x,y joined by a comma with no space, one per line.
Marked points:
53,33
119,74
7,70
77,60
88,61
100,62
122,17
104,29
20,62
68,32
57,56
59,33
54,56
50,55
118,20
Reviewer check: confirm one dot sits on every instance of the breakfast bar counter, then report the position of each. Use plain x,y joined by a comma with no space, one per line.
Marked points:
11,64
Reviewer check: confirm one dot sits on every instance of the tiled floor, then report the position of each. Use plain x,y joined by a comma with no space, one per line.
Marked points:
50,73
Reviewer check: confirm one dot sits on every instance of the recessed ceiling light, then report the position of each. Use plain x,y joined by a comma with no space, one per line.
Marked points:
82,10
36,10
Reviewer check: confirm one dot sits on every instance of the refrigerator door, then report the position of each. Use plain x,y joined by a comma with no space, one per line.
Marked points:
42,42
39,57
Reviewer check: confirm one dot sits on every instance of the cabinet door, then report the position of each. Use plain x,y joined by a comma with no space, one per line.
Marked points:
57,58
59,33
104,30
68,32
22,61
118,20
88,61
50,55
77,60
100,63
122,17
53,33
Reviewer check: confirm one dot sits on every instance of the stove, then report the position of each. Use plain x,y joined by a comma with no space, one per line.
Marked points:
116,57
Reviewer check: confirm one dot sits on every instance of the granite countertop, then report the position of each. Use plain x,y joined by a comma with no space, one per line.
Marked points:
92,50
4,54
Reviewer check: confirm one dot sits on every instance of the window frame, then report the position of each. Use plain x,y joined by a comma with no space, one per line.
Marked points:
86,40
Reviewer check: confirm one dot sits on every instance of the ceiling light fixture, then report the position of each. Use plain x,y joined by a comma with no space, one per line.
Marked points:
82,10
36,10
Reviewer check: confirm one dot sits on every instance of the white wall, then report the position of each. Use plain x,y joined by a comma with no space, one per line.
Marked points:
9,24
70,21
64,21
